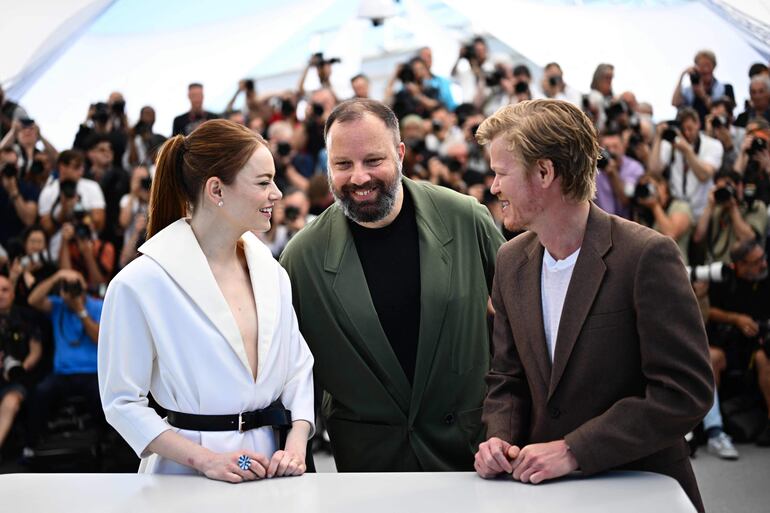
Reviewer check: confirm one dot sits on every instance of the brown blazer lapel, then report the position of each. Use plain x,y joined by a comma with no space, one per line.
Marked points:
586,279
527,295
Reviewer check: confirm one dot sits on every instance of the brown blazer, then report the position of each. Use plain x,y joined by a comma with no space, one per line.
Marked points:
631,373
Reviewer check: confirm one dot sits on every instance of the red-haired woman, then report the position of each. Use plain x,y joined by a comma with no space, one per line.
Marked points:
204,321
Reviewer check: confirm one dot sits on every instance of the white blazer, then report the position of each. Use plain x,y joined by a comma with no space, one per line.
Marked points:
166,328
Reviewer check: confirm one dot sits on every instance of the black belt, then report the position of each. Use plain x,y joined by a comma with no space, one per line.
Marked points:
275,415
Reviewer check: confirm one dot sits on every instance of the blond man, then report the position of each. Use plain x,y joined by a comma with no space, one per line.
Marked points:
600,357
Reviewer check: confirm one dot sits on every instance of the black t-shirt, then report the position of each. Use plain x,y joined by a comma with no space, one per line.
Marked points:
10,224
390,257
185,123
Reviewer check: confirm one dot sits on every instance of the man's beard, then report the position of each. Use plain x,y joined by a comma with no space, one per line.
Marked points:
368,211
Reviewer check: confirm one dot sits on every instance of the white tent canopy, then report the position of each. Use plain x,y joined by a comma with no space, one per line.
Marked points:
67,54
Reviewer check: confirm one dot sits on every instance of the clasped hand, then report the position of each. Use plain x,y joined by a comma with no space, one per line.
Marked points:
225,466
532,464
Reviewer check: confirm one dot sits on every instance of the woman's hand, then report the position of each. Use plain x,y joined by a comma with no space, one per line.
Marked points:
289,462
224,466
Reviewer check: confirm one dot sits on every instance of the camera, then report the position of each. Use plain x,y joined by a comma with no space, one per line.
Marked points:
694,78
73,288
249,84
718,122
757,145
318,110
146,183
82,230
291,213
454,165
68,188
493,79
101,112
287,108
34,258
712,273
318,59
554,81
521,88
469,51
670,133
644,191
724,194
119,107
14,369
604,159
10,171
406,74
284,149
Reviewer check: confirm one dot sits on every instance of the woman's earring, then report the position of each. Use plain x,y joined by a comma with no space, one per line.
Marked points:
221,203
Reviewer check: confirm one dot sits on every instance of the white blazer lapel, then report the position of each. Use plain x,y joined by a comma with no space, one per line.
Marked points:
177,251
263,270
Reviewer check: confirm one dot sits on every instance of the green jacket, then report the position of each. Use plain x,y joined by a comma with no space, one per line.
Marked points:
376,420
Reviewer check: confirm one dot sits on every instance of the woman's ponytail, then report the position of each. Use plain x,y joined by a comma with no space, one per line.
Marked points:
168,200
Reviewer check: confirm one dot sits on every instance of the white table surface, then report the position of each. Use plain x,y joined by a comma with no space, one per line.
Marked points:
448,492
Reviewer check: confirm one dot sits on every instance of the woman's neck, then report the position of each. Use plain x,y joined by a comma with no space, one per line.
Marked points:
218,241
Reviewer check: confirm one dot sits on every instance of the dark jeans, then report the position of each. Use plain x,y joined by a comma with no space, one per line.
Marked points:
52,390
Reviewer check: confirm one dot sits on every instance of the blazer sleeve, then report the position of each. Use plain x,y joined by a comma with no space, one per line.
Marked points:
678,380
507,405
125,362
297,394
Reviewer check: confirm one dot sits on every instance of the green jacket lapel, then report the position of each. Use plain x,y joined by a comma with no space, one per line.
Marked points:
349,286
435,279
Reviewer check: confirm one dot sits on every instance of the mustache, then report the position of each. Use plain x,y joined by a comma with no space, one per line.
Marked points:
374,183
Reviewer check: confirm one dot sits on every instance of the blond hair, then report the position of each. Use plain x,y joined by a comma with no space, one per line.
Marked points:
549,129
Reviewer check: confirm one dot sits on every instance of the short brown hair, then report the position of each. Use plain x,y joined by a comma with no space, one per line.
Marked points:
708,54
218,148
354,109
686,113
70,158
549,129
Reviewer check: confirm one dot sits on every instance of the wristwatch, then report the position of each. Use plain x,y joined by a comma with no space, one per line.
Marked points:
83,313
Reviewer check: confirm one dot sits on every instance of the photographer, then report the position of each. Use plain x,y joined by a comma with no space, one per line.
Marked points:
75,319
704,88
553,85
32,266
23,137
20,352
18,199
600,96
471,66
753,161
687,158
498,88
360,85
109,120
416,95
60,197
618,174
84,252
114,182
292,169
759,107
655,208
442,84
719,125
9,112
739,313
134,205
323,68
142,140
728,218
253,106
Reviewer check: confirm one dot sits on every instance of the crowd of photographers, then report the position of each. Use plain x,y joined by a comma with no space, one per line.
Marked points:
72,219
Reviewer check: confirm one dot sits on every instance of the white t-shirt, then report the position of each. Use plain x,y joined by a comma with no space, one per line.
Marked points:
554,281
693,191
91,197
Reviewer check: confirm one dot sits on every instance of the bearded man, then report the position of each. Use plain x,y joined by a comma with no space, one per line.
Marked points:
391,286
